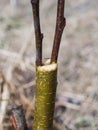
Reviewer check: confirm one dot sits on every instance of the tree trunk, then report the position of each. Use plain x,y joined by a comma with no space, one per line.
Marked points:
46,83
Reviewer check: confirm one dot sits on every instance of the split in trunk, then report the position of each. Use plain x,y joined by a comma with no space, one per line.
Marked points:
46,75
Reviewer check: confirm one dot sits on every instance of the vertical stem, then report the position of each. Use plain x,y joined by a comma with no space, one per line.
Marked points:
38,34
46,83
60,24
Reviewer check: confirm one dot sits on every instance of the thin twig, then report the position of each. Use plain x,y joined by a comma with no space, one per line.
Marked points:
61,22
38,34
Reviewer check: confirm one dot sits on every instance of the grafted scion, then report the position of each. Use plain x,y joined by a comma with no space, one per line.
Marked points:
46,73
60,24
38,34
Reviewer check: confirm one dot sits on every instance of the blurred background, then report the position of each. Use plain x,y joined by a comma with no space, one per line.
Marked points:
77,93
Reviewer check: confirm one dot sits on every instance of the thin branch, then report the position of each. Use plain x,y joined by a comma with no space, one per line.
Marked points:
61,22
38,34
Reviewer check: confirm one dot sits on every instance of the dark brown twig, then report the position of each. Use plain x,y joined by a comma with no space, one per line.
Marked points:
38,34
17,117
59,30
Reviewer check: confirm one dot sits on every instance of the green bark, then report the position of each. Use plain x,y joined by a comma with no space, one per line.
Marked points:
46,83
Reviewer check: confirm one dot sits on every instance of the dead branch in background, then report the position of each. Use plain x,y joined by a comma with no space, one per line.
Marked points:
4,98
60,24
38,34
17,117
